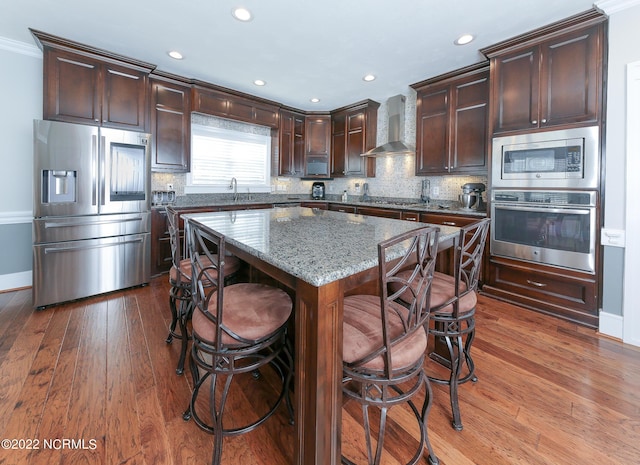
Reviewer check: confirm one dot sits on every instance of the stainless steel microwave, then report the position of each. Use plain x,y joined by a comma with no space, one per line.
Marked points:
568,158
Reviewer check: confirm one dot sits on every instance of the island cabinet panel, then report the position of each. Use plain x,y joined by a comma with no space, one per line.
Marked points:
563,293
353,132
452,114
228,105
82,87
291,144
550,77
170,125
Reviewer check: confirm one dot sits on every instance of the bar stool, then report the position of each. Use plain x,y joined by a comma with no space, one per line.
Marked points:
237,330
453,308
385,343
180,292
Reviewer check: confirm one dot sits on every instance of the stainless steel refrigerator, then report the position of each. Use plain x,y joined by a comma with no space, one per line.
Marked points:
92,220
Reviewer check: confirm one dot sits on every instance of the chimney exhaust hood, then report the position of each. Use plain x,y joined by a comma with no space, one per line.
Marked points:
395,145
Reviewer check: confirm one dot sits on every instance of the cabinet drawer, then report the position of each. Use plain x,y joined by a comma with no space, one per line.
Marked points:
448,220
562,293
379,212
336,207
410,216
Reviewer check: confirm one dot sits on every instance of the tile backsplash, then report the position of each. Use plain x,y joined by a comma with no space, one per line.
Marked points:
394,175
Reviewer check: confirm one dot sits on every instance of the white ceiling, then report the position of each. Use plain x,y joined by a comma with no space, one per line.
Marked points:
301,48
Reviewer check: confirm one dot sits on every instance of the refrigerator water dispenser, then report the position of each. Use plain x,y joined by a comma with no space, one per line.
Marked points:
58,186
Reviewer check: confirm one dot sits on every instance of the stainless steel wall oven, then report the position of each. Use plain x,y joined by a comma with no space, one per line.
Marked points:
553,227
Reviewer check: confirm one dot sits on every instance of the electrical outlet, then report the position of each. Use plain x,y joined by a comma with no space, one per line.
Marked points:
170,186
357,188
436,191
613,237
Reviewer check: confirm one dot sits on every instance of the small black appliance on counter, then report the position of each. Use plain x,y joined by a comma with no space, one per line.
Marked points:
317,191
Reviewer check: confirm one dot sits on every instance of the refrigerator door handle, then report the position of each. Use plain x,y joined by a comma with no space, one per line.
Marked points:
49,225
58,249
103,172
94,169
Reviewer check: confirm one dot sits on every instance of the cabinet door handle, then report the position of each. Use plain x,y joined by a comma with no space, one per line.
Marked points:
449,223
535,283
544,120
411,219
535,121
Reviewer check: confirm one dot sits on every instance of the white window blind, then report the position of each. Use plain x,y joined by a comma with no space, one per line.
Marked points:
223,149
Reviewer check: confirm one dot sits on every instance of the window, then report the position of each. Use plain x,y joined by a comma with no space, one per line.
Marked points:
223,149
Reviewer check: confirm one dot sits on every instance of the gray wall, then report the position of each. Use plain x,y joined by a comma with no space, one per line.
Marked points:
623,49
21,97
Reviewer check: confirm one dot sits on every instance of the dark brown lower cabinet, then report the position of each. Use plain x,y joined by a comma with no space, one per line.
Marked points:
567,294
382,212
338,207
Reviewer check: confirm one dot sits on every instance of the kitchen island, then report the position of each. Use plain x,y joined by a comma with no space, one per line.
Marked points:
320,256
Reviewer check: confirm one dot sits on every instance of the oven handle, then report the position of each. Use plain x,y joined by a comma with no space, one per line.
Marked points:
574,211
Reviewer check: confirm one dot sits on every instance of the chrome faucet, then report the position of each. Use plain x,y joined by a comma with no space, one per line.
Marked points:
234,186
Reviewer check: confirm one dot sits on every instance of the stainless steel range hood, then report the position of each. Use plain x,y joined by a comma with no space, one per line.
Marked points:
395,145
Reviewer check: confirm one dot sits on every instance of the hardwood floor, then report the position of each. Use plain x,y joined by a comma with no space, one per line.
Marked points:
99,373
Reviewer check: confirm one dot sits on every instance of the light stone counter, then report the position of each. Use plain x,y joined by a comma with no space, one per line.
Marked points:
316,246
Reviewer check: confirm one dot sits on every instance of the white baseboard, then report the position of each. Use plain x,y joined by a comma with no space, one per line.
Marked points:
16,280
611,325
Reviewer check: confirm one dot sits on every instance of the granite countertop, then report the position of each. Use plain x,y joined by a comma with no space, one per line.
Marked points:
435,206
317,246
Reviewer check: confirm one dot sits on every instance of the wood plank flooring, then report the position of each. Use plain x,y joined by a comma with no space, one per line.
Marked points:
98,374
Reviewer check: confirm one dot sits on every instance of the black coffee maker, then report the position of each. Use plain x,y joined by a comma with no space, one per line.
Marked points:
317,191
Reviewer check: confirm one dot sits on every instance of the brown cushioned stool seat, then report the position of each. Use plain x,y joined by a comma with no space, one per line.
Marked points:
362,325
244,313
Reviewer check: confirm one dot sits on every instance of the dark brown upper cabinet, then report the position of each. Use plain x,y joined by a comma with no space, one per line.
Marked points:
550,77
353,132
452,112
219,102
317,140
91,86
170,123
291,144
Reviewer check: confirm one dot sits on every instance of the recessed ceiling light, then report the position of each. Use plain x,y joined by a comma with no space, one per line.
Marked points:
175,55
259,82
241,14
315,100
464,39
369,78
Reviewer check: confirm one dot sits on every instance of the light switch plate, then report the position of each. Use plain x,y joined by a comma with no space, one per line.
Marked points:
612,237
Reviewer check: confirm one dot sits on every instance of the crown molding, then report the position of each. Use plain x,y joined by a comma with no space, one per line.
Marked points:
615,6
20,47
